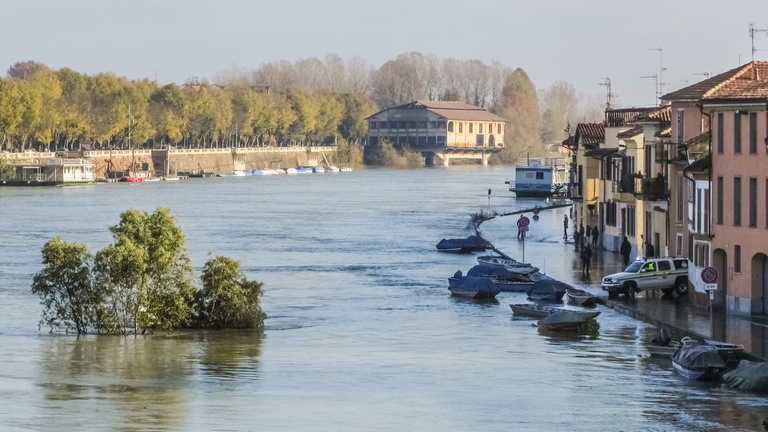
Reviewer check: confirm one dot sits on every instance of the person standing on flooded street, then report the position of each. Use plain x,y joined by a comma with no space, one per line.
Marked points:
626,250
586,257
520,227
565,227
595,234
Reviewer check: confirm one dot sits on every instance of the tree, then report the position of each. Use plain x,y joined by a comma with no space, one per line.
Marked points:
560,103
69,297
26,69
146,274
228,299
354,124
519,104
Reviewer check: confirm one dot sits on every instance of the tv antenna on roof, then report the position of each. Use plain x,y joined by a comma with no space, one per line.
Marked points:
704,74
752,31
655,85
607,82
660,82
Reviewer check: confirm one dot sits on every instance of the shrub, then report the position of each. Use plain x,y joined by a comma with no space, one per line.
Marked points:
228,299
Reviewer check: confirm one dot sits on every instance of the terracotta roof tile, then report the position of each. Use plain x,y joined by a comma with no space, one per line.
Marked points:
629,133
590,133
662,114
748,81
451,110
625,116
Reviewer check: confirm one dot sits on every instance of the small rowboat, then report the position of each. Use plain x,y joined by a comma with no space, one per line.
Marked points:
532,310
698,362
578,297
567,320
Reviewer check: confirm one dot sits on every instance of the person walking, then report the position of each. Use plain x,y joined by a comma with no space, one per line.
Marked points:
520,227
595,234
626,250
586,257
650,251
577,240
565,227
589,233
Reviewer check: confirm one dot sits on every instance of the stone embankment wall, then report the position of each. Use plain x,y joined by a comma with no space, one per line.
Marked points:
193,160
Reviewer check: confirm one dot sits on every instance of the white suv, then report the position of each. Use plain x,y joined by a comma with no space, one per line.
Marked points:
667,274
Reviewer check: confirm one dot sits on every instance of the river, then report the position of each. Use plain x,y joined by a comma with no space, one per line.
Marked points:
362,332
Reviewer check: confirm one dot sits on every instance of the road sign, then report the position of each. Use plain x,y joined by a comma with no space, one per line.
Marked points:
709,275
536,210
710,287
524,221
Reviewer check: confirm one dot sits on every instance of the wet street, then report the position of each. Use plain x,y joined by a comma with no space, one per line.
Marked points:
362,332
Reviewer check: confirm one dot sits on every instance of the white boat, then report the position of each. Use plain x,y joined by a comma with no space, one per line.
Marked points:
152,179
504,260
346,169
318,169
291,171
171,178
578,297
279,171
268,172
333,168
238,173
304,170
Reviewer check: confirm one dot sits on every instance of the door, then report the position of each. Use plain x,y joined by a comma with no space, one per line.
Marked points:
649,276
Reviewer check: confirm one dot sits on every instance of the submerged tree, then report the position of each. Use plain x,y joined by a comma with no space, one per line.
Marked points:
69,297
228,299
146,274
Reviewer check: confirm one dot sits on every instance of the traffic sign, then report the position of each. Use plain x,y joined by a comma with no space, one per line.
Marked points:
710,287
536,210
524,221
709,275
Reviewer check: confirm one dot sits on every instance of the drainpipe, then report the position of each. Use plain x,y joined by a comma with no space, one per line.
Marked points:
711,166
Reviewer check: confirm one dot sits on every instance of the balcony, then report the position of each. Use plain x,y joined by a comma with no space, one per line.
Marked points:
654,188
629,188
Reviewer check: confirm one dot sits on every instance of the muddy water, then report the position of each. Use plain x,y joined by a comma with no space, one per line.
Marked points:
362,334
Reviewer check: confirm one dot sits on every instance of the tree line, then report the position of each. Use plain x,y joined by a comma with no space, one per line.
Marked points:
306,102
141,283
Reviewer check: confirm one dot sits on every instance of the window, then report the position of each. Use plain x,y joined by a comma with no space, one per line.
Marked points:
498,128
705,216
393,125
412,125
403,125
766,203
461,127
736,133
412,141
479,128
372,125
664,265
441,125
433,125
450,126
422,140
630,227
737,259
441,140
719,132
471,127
753,133
679,245
422,125
680,126
539,176
680,198
753,202
720,200
649,267
529,175
431,140
737,201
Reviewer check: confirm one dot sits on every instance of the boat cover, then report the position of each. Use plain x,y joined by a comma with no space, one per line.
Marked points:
568,317
499,272
748,376
474,243
473,284
548,288
579,292
697,357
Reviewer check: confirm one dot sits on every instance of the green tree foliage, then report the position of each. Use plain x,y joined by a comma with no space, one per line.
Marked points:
146,274
354,124
228,299
69,298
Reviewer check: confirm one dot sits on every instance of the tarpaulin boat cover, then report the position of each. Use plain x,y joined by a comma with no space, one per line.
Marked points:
697,357
475,284
567,317
748,376
548,288
499,272
471,242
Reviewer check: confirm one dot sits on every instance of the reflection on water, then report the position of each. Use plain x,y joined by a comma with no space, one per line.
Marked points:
139,383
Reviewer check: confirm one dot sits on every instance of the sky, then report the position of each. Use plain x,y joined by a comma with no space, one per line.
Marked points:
580,42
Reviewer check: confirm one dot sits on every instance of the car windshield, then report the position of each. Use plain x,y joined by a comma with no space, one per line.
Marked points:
634,267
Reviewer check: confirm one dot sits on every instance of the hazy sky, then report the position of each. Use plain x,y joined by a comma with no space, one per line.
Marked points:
577,41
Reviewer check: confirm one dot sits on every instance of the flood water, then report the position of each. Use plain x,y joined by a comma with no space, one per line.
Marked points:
362,332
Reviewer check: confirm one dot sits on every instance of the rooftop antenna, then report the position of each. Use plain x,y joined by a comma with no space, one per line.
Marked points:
607,82
660,82
655,84
704,74
752,31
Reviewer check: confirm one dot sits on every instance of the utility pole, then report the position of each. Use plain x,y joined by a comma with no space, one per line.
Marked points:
752,31
607,83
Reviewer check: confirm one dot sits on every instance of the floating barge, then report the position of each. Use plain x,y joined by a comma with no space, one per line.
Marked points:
50,172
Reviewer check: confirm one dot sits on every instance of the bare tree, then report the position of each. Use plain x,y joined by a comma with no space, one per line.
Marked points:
233,75
358,75
334,74
26,69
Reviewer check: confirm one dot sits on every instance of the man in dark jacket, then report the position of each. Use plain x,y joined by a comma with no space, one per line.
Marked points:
586,257
626,250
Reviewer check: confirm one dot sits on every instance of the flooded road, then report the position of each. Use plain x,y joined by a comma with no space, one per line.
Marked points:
362,332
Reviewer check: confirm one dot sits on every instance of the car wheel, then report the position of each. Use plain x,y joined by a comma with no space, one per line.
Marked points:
630,289
681,287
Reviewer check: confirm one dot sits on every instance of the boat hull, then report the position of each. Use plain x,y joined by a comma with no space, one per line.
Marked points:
580,298
532,193
531,311
699,374
513,286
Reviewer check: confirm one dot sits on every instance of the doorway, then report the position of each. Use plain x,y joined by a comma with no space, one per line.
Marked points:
720,263
759,280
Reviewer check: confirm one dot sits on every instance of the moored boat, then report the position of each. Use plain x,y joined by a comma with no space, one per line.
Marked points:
304,170
531,310
578,297
132,179
333,168
547,290
467,245
291,171
748,376
698,362
346,169
318,169
472,287
567,320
